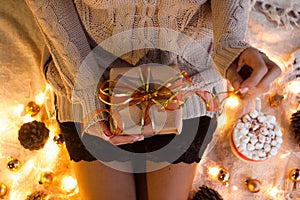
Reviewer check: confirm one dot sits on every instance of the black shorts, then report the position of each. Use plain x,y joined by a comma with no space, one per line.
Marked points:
188,147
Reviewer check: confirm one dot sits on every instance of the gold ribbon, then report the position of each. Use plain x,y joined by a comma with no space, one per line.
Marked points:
168,96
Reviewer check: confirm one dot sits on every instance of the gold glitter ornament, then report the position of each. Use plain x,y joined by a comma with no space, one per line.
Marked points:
275,99
32,108
295,175
3,190
59,139
13,164
224,176
253,185
46,178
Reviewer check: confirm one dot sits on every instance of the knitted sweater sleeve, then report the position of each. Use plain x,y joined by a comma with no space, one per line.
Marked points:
230,21
67,42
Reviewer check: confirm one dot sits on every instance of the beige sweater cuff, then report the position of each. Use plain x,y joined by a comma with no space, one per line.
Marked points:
225,53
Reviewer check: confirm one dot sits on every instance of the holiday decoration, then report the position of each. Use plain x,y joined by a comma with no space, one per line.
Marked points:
206,193
256,136
46,178
13,164
294,175
32,108
59,139
147,99
3,190
275,99
33,135
224,176
38,195
253,185
295,123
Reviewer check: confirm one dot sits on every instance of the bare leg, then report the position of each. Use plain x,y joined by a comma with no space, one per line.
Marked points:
98,181
173,182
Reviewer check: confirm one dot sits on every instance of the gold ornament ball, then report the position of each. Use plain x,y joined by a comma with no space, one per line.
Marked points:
295,175
253,185
224,175
46,178
3,190
275,99
13,164
32,108
59,139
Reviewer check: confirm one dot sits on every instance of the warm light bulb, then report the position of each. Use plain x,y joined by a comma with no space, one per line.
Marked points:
213,171
50,151
28,167
40,98
2,125
273,192
68,184
19,109
285,155
27,118
233,101
294,87
48,87
235,188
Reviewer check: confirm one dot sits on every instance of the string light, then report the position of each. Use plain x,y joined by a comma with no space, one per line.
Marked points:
294,87
2,125
27,118
233,101
213,171
40,98
273,192
68,184
19,109
285,155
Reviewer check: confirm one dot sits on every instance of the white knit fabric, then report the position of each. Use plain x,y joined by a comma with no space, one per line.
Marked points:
72,29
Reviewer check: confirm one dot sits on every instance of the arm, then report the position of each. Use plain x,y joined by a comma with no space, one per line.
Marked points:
230,20
231,53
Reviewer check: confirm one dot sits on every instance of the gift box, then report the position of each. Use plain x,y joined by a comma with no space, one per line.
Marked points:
146,99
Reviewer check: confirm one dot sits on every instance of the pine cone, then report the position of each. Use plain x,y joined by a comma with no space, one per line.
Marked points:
38,195
295,122
207,193
33,135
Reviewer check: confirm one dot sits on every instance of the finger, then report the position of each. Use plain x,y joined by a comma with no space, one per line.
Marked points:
273,73
260,69
234,78
125,139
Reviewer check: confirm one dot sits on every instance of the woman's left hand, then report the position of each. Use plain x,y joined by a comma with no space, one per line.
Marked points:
264,72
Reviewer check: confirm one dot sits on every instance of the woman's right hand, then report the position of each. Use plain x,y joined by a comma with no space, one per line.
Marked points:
97,130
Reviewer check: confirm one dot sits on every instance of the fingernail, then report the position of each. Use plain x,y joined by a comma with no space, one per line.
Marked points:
244,90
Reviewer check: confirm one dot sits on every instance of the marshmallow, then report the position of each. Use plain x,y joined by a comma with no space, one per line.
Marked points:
253,114
250,147
257,136
267,147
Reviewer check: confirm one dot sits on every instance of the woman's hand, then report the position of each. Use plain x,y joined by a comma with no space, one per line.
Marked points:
264,72
97,130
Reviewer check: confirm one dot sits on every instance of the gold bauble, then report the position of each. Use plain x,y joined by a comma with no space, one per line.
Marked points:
253,185
295,175
46,178
3,190
32,108
59,139
224,176
275,99
13,164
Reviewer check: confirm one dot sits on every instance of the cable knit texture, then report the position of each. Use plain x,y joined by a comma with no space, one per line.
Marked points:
73,29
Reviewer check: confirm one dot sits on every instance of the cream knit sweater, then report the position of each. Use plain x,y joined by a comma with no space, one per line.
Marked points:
72,29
